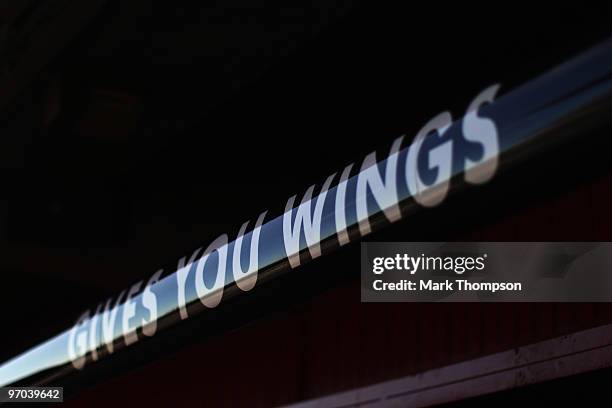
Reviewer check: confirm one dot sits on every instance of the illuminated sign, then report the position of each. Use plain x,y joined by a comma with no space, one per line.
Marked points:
421,171
416,172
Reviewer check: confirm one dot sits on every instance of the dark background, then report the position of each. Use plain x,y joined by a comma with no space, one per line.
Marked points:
160,125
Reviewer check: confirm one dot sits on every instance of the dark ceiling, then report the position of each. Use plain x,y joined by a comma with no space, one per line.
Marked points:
95,194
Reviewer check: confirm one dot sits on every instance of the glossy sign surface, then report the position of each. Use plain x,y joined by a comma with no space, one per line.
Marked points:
417,171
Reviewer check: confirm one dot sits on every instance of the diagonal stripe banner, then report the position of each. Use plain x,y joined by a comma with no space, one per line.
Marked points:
497,127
